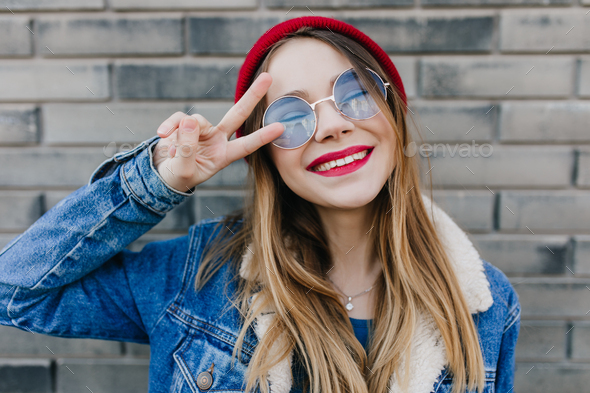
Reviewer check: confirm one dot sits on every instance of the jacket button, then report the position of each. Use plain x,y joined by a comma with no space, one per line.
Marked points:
205,379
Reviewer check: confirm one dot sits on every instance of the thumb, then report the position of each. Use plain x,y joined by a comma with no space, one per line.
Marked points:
188,139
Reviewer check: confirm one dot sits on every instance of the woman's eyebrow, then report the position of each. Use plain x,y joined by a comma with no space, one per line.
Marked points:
304,93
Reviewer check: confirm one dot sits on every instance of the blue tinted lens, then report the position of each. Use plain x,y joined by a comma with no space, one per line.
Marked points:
297,117
353,99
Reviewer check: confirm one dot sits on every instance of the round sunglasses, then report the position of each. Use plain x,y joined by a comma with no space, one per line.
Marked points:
351,98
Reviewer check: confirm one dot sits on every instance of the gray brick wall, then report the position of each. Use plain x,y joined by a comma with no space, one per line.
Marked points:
83,79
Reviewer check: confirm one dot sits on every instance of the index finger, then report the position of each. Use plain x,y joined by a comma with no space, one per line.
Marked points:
238,113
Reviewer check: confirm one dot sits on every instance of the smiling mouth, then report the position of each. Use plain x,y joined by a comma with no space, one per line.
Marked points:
326,166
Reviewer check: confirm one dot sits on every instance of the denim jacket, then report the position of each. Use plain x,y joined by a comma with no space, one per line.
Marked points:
70,275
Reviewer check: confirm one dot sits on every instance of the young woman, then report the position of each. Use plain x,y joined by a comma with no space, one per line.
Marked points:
338,275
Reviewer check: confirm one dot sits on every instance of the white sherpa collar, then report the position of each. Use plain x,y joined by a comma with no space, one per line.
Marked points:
428,351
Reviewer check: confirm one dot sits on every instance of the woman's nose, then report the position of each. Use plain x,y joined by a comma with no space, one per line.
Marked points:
330,122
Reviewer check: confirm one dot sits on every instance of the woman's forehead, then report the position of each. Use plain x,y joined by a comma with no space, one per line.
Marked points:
304,64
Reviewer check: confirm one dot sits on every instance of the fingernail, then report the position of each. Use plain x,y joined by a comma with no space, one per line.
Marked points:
189,124
162,129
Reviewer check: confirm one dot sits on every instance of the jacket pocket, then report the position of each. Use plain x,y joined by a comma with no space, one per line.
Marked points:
198,352
446,385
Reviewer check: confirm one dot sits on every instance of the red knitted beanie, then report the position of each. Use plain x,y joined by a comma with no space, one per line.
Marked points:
279,31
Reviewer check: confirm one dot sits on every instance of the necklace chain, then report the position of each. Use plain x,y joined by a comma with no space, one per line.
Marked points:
349,305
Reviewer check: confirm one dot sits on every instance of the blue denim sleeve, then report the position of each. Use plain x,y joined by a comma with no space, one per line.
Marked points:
69,273
506,359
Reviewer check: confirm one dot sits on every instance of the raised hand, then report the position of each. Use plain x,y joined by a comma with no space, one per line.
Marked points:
192,150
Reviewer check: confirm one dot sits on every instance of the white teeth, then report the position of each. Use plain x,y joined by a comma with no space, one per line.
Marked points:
340,162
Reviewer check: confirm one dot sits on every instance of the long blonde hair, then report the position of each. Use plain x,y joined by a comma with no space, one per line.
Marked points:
417,275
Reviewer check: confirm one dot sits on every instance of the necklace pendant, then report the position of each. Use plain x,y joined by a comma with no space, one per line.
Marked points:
349,305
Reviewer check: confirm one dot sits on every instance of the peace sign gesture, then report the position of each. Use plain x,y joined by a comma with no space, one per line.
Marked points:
192,150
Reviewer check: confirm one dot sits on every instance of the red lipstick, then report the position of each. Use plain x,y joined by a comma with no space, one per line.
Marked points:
345,169
338,154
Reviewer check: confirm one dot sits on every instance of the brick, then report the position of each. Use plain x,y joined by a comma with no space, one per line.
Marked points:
544,211
114,124
51,198
213,111
497,77
517,254
539,30
544,122
102,375
226,35
236,35
15,342
18,124
19,209
549,297
212,204
428,33
17,39
502,166
51,5
583,168
181,218
42,167
406,67
542,340
454,121
181,4
547,377
584,80
580,341
582,254
337,3
119,126
475,3
471,210
25,375
6,238
234,175
128,35
138,350
53,80
207,79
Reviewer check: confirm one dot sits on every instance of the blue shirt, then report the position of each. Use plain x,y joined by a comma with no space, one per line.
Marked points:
361,329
